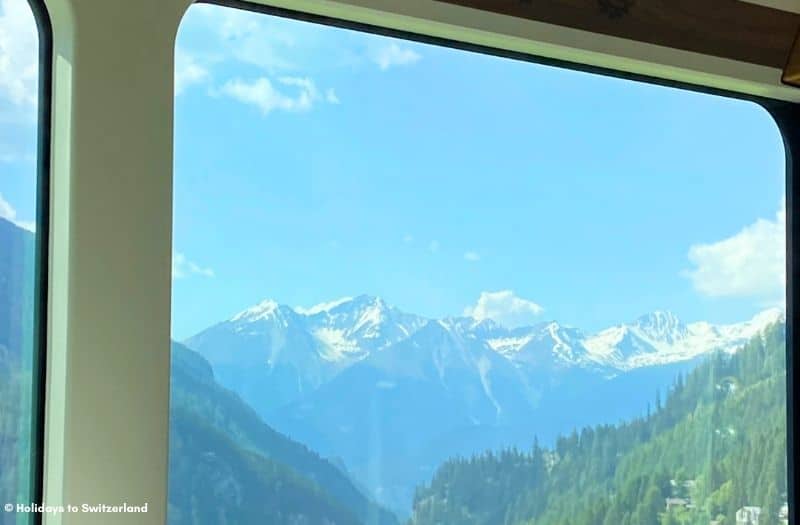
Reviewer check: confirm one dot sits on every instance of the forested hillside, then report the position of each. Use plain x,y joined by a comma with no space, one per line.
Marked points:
227,466
715,445
16,296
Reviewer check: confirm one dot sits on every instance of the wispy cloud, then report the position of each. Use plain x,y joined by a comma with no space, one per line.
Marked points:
434,246
182,267
408,238
750,263
188,71
18,53
262,41
504,307
300,94
288,60
392,55
331,97
472,256
9,213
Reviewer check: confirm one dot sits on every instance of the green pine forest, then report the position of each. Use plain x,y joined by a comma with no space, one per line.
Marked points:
229,467
717,443
14,433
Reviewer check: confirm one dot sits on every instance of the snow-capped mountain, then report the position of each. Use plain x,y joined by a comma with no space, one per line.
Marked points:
352,327
661,338
653,339
548,345
389,415
296,350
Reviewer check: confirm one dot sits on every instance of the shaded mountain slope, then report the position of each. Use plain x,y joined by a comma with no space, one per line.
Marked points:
206,415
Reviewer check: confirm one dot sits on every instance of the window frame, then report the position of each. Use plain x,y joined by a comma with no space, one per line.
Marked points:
74,26
41,255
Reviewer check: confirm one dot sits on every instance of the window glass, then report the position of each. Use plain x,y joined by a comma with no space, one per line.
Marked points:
414,284
19,67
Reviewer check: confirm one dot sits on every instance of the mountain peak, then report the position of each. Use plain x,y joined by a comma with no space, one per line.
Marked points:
262,310
480,327
365,300
769,316
659,318
323,307
661,325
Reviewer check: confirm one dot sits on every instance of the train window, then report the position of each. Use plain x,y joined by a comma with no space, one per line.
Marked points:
19,235
419,284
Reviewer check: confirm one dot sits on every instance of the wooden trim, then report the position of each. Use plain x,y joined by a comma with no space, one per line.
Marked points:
791,73
724,28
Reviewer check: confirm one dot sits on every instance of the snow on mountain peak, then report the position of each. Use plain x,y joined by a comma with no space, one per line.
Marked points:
262,310
661,326
661,338
659,317
322,307
769,316
350,328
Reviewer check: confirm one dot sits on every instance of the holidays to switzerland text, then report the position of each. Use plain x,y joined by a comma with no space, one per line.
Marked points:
87,508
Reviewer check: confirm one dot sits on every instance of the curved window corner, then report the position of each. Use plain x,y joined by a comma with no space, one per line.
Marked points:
23,139
421,285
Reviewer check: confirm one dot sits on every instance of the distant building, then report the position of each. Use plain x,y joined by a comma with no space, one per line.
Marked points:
783,514
676,503
686,484
748,515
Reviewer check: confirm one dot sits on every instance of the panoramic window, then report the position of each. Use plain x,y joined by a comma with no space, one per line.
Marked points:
419,285
18,174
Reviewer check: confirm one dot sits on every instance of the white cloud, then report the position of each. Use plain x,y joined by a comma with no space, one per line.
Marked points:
263,94
751,263
505,308
262,41
19,61
8,213
394,55
434,246
331,97
6,210
183,267
472,256
188,71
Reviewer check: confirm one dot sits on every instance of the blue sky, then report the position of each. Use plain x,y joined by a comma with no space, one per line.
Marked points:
434,175
313,163
18,91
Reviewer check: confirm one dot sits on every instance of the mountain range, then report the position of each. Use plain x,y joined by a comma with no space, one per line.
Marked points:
297,350
392,394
